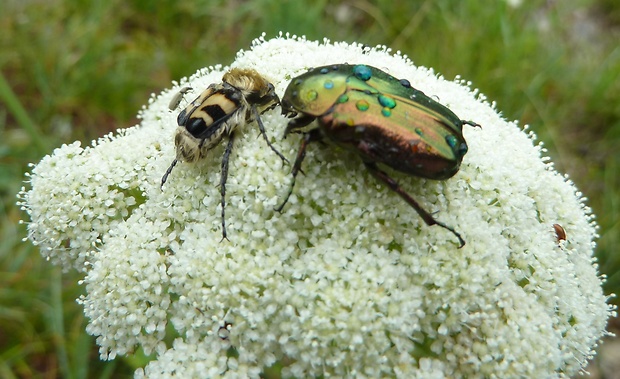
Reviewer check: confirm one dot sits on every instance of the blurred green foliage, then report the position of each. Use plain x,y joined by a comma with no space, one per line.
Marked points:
79,69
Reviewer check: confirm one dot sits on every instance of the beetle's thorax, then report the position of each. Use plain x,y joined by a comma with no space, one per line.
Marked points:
249,82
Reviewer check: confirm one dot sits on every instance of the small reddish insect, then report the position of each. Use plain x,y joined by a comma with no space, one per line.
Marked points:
560,233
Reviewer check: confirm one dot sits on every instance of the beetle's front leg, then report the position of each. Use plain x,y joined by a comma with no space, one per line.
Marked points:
168,171
297,123
312,135
261,128
394,186
223,179
271,100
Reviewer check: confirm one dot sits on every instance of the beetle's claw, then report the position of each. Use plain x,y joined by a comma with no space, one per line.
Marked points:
471,123
457,234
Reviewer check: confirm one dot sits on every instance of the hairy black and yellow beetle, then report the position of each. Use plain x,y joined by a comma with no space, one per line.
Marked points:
383,119
216,113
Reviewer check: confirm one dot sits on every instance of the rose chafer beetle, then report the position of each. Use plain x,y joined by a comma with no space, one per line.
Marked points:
384,120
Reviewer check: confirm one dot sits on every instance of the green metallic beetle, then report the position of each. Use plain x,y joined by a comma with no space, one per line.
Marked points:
383,119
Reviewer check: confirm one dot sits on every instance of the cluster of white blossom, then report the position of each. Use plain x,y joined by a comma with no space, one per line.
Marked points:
347,281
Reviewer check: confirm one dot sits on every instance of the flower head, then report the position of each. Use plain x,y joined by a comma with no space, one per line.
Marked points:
347,280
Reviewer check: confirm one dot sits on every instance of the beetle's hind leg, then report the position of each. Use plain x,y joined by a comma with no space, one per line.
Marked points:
394,186
313,135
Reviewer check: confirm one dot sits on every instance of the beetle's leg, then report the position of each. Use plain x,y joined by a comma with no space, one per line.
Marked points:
223,178
168,171
297,123
271,106
313,135
261,127
471,123
270,100
394,186
273,102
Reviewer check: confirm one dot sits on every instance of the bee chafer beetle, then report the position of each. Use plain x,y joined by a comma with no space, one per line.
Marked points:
217,113
384,120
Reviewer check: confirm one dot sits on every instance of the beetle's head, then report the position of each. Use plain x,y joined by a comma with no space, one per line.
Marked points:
288,109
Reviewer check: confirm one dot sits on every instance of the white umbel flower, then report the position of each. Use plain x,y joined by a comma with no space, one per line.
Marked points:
348,281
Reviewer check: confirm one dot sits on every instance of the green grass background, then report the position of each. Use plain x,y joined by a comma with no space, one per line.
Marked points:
80,69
